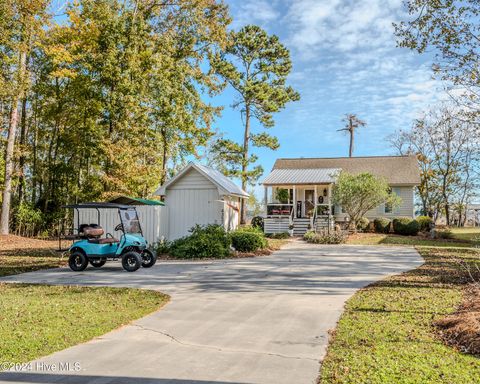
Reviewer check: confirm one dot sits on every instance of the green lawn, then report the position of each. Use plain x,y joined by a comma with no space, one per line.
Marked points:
12,265
386,334
466,233
390,239
36,320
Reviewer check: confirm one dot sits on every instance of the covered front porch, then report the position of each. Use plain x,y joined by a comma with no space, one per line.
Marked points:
299,199
302,207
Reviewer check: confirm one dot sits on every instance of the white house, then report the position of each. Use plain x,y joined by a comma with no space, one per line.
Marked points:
306,185
200,195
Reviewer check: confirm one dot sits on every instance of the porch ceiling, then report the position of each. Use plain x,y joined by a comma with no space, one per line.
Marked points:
302,176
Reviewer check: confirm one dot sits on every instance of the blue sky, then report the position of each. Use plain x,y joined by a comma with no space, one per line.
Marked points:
345,60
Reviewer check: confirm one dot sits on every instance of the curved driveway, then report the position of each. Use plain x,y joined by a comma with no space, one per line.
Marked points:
255,320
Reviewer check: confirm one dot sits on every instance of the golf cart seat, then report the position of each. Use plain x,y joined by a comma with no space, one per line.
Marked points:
106,240
90,231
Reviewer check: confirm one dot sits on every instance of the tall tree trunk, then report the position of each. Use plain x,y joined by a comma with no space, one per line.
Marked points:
34,160
12,131
350,152
164,155
246,140
21,161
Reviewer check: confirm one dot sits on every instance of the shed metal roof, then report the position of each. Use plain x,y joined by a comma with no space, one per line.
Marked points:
302,176
217,178
227,184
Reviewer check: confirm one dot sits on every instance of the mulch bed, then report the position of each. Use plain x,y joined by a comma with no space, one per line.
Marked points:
462,328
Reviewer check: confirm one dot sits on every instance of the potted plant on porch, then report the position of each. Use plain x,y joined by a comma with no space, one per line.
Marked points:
282,195
290,229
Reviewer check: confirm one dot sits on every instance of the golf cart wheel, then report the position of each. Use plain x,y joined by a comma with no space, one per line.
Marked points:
98,262
77,261
131,261
148,259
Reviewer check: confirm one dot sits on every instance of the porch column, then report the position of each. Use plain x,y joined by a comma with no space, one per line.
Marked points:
330,217
265,199
294,201
315,197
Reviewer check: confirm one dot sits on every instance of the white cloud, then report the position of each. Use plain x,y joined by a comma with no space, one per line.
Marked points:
339,25
254,12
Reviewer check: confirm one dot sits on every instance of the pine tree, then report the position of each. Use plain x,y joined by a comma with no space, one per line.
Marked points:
256,66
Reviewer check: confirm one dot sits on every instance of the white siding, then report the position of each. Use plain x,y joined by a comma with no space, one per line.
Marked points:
187,207
192,180
152,219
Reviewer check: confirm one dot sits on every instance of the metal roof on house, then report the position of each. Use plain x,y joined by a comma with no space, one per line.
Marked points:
219,179
397,170
302,176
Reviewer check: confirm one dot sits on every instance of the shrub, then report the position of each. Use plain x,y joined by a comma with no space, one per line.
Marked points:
249,228
405,226
425,223
444,233
382,225
309,236
211,241
162,247
257,222
363,223
281,235
248,241
334,237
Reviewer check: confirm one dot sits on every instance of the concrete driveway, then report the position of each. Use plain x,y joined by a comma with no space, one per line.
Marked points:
256,320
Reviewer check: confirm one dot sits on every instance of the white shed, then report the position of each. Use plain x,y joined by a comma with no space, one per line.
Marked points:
200,195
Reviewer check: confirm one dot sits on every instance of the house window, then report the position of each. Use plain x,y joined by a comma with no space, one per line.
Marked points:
388,207
337,209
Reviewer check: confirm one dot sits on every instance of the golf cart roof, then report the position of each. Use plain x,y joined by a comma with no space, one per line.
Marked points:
98,205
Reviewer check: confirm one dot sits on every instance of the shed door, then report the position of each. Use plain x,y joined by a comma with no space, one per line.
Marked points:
187,207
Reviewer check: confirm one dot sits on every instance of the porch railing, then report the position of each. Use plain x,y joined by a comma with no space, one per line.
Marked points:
279,209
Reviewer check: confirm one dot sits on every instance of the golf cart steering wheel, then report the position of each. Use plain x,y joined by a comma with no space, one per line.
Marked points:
119,227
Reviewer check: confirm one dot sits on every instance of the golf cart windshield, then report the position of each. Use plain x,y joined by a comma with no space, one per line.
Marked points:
130,221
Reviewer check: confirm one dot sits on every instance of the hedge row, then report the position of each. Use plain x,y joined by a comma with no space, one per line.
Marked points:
401,225
212,241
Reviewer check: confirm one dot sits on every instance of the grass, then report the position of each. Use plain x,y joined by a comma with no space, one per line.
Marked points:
276,244
36,320
466,233
12,265
21,254
390,239
386,334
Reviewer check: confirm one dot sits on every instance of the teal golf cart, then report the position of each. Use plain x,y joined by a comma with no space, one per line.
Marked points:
92,245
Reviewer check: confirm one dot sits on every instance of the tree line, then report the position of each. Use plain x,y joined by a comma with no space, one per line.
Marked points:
111,97
446,139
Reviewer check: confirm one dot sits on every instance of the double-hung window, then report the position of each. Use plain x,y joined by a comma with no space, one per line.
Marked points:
388,207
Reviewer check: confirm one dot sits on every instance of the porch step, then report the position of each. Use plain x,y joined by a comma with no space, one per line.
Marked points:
300,226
